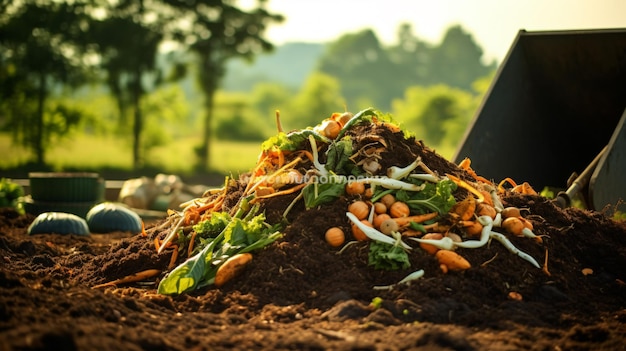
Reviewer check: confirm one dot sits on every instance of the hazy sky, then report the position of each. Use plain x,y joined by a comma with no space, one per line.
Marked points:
492,23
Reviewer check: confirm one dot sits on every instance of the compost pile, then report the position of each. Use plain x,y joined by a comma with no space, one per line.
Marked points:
559,285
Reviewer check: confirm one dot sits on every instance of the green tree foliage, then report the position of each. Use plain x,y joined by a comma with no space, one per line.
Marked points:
266,98
369,72
318,98
236,119
39,52
127,41
363,67
438,115
457,60
163,108
219,32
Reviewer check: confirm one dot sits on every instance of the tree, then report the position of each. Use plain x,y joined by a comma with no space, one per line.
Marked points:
269,97
39,52
363,67
319,97
457,60
219,31
128,40
412,56
438,114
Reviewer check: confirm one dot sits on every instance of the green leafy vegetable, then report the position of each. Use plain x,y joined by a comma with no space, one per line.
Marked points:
316,194
230,236
338,156
363,116
388,257
292,141
434,197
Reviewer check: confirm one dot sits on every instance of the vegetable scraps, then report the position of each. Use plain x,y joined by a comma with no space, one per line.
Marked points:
225,237
320,165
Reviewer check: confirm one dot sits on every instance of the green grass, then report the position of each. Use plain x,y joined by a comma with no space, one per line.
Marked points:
97,152
93,152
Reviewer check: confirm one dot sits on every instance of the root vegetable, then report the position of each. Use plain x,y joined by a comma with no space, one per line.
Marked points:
431,249
374,234
355,188
388,200
450,260
446,243
389,183
380,207
406,280
335,236
389,226
232,267
465,185
516,226
379,219
465,208
511,212
509,246
359,208
403,221
472,228
357,230
395,172
483,209
399,209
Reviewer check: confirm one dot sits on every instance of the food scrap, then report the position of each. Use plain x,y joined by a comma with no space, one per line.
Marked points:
396,209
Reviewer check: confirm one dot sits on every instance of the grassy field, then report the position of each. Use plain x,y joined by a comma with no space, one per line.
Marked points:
91,152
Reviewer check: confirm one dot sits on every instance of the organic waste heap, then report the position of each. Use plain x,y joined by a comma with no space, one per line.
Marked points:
357,208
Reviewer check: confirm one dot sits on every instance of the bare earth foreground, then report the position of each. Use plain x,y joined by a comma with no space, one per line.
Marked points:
300,294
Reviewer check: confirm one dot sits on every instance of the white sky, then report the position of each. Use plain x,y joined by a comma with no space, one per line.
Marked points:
492,23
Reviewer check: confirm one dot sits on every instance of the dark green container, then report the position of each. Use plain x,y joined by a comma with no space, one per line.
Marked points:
66,187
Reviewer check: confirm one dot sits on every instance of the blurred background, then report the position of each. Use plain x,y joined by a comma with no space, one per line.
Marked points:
135,88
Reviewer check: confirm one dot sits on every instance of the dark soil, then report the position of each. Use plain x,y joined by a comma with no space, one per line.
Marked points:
300,294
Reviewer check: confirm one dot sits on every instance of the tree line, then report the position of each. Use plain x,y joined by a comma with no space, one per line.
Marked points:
50,51
50,45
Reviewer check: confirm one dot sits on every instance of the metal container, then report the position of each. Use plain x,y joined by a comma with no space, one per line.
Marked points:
557,101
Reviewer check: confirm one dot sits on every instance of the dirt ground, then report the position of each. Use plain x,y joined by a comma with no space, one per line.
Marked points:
301,294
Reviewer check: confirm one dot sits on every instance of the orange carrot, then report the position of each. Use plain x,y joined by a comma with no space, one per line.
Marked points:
279,193
402,221
192,241
465,185
173,258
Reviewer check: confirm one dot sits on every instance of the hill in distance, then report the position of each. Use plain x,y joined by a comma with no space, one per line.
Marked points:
288,64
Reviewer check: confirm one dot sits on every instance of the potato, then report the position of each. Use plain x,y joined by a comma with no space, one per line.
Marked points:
231,268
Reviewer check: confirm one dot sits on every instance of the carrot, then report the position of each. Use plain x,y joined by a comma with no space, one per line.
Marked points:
503,181
465,164
192,241
465,185
431,249
450,260
157,243
173,258
465,208
136,277
402,221
279,193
